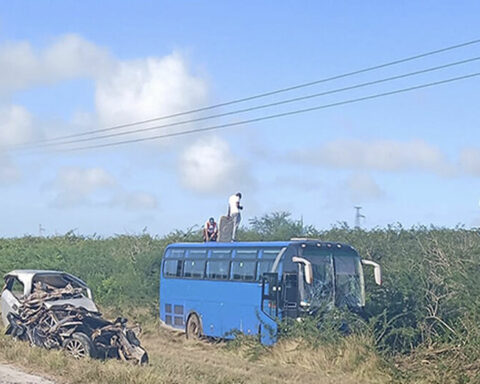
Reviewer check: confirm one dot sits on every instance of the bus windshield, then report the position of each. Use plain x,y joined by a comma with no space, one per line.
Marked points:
320,291
337,278
349,285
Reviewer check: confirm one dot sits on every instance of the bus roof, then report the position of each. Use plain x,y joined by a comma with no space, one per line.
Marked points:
267,244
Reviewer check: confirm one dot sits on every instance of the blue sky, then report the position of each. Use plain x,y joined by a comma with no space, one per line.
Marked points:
70,66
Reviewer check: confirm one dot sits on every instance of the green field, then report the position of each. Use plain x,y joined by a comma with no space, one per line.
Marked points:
423,323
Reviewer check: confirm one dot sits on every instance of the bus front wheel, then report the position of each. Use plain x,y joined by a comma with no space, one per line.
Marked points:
193,328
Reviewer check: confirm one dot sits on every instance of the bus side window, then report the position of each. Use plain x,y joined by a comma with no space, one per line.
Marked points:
221,254
243,270
270,254
172,268
218,269
174,253
197,254
194,269
262,267
246,254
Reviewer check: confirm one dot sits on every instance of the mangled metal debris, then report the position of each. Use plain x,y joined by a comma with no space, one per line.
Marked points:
61,317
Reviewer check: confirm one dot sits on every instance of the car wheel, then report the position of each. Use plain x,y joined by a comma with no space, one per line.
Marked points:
79,345
193,328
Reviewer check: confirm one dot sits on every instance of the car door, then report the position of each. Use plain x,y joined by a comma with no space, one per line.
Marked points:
9,301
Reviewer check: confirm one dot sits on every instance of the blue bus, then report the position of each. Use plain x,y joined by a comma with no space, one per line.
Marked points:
214,289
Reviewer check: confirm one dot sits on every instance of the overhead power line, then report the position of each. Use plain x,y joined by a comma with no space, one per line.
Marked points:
250,109
278,115
265,94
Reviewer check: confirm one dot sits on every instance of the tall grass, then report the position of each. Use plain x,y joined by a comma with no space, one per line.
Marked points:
173,359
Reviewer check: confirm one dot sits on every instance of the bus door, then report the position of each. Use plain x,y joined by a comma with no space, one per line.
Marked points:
268,314
289,295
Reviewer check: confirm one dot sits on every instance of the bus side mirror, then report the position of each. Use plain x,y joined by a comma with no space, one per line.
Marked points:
377,270
308,268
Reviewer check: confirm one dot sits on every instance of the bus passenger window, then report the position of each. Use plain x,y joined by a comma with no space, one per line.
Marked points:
218,269
194,269
270,253
243,270
175,254
262,267
172,268
221,254
246,254
197,253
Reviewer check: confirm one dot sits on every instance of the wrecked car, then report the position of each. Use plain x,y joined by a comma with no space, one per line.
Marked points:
56,310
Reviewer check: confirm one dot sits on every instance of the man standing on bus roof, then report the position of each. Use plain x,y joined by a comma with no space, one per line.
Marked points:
234,209
210,230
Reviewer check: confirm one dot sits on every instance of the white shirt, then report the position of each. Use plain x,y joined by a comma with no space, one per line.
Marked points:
232,203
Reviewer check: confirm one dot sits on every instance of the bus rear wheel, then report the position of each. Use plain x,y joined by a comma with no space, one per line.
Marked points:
193,328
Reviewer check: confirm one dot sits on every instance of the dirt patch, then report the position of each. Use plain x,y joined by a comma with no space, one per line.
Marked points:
12,375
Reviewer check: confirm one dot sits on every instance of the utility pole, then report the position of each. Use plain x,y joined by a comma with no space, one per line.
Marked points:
358,216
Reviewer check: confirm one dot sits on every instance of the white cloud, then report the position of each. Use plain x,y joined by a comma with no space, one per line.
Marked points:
125,91
152,87
469,161
9,173
16,126
23,67
73,56
69,56
77,186
362,187
381,155
209,165
84,181
135,201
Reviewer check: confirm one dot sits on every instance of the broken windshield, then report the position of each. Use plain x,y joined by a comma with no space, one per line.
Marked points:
320,291
336,274
349,285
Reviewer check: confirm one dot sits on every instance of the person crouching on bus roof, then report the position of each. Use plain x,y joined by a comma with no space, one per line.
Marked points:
210,230
234,209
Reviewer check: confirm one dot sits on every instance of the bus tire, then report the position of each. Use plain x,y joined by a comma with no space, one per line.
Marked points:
193,329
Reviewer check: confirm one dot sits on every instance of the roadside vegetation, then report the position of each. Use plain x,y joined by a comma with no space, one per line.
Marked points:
421,326
173,359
